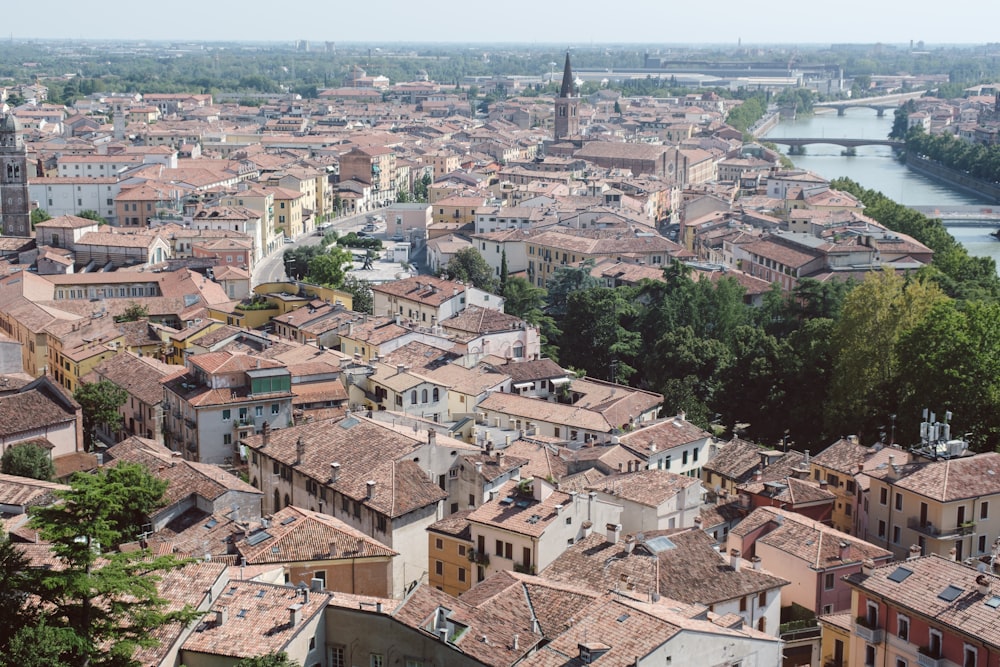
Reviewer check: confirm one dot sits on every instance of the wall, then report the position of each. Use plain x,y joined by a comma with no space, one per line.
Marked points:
953,177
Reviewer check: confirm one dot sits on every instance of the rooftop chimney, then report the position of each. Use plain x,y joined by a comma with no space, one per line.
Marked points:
758,476
845,550
294,614
514,642
867,567
479,467
370,493
614,532
952,553
334,471
756,562
629,544
984,584
431,437
265,435
221,615
300,450
915,552
734,559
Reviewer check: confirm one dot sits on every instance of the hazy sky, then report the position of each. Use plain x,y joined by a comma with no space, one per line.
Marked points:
562,22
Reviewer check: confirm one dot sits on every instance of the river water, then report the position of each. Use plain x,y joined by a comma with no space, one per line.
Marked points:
874,167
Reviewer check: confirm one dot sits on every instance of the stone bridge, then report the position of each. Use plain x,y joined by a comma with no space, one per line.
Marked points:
835,141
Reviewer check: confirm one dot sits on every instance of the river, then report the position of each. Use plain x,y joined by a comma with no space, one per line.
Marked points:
876,168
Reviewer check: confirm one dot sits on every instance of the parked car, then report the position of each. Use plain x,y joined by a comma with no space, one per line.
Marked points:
289,240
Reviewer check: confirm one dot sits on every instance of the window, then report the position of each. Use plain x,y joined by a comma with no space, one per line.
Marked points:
900,662
499,549
743,603
847,509
899,501
982,544
694,455
275,408
762,599
869,655
258,410
227,438
969,655
508,551
883,496
380,523
902,627
423,396
895,534
461,574
413,397
684,458
881,528
227,415
336,656
439,544
984,510
816,474
436,395
828,581
461,549
376,660
850,486
438,568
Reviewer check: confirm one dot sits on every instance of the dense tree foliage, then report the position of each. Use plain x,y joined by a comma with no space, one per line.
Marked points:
469,266
100,402
269,660
752,109
329,268
977,160
362,299
28,460
101,604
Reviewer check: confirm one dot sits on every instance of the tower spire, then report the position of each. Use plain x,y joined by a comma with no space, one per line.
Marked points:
566,90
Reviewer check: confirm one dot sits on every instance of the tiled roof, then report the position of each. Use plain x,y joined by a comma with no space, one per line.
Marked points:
529,371
650,487
816,544
543,460
691,571
526,516
920,593
663,435
790,490
736,459
845,455
546,411
948,480
30,409
425,289
25,491
475,319
455,525
298,535
366,450
136,376
257,620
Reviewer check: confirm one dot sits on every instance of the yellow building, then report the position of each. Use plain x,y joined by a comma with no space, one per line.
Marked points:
457,209
288,205
549,250
184,339
949,507
75,348
449,550
835,640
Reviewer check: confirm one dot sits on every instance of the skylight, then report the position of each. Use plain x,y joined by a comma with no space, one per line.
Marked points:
258,537
289,520
951,593
659,544
993,602
348,424
899,574
212,523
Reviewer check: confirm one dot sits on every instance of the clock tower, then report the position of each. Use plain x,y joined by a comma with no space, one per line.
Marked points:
15,205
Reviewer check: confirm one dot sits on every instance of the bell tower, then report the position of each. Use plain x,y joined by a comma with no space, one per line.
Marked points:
15,205
567,122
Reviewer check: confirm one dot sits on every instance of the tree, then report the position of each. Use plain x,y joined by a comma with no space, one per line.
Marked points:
564,281
618,108
92,215
28,460
297,261
504,271
13,585
362,299
469,266
133,313
100,402
269,660
330,268
863,385
596,333
103,602
39,215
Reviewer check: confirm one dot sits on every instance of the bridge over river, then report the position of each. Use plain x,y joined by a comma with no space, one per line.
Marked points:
836,141
963,216
880,104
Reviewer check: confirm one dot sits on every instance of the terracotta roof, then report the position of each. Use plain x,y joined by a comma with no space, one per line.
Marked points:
475,319
26,492
529,371
664,435
425,289
33,407
523,515
136,375
948,480
650,487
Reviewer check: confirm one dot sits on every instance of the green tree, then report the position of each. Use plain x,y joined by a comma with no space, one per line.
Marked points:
564,281
100,402
39,215
362,299
618,108
469,266
504,272
42,645
133,313
330,268
597,335
92,215
13,586
103,602
28,460
863,385
269,660
297,261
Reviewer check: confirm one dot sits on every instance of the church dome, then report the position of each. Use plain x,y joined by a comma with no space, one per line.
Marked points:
8,123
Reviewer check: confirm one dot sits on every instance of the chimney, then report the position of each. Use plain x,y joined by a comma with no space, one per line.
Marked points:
370,493
681,415
756,562
265,435
514,643
400,368
300,450
805,456
892,467
294,614
479,467
431,437
378,607
758,476
984,584
305,596
734,559
443,634
697,522
952,554
915,552
629,544
535,627
334,471
845,550
867,567
221,615
614,532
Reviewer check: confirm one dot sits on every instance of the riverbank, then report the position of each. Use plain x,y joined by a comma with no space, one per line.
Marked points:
953,177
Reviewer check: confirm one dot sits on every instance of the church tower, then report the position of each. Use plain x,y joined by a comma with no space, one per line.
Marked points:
567,107
15,205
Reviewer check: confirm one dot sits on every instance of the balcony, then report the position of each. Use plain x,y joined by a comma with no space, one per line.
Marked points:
930,530
478,557
868,631
928,658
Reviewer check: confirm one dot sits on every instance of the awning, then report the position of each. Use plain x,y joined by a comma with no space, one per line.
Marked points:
522,385
561,381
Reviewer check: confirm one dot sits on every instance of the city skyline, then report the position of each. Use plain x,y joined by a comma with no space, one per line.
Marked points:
587,21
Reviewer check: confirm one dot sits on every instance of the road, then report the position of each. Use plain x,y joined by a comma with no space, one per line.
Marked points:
272,269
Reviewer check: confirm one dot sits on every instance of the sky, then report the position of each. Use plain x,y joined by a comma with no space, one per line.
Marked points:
560,22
